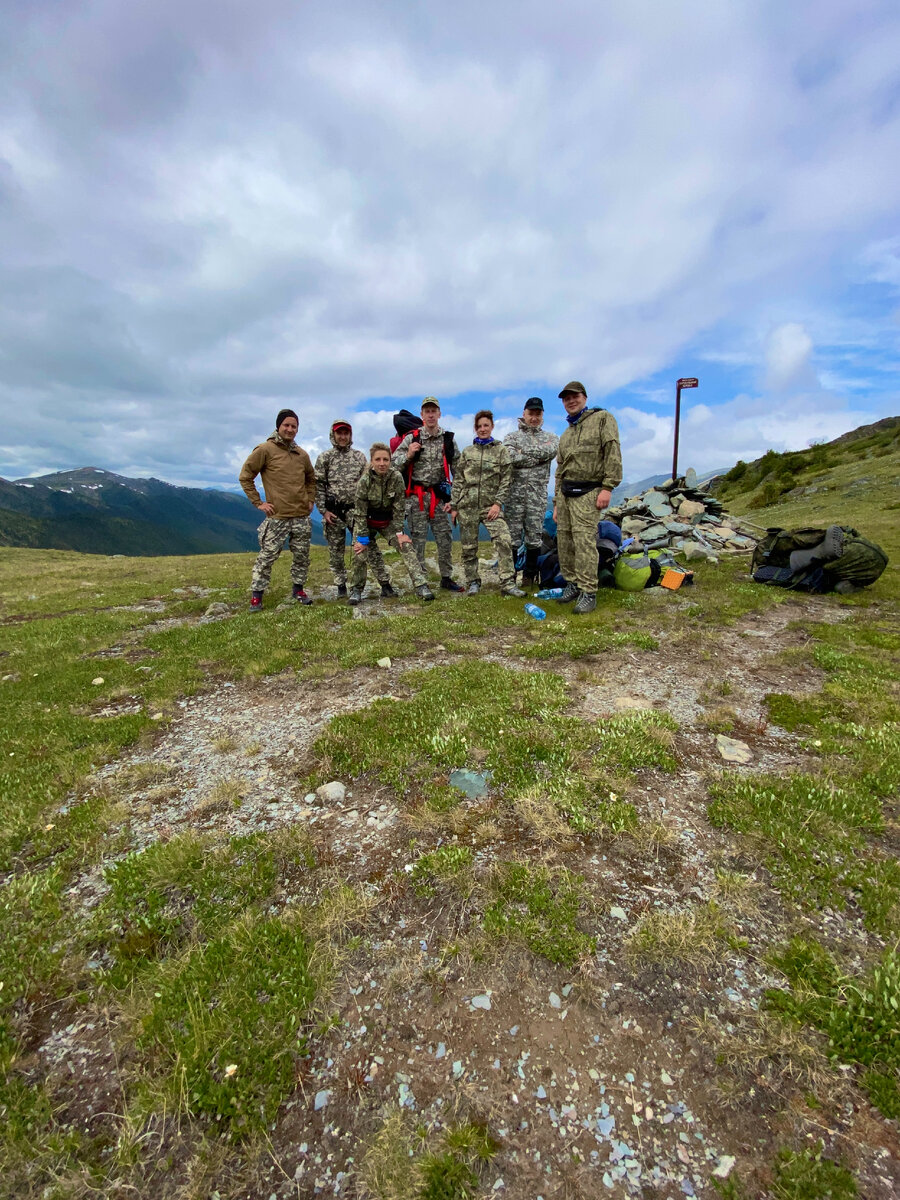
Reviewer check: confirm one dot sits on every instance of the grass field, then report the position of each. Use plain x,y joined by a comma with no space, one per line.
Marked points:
216,985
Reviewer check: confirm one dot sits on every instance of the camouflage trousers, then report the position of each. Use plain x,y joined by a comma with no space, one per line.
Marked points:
336,537
272,534
576,539
524,513
469,521
372,554
418,521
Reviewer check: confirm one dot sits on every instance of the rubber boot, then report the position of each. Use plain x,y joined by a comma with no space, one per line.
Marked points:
530,570
256,601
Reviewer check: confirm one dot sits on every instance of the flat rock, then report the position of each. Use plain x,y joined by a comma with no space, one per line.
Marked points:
632,702
732,750
632,525
690,478
383,662
690,508
654,532
481,1002
473,783
332,793
619,913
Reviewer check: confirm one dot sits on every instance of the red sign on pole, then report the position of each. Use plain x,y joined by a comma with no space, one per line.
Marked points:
686,383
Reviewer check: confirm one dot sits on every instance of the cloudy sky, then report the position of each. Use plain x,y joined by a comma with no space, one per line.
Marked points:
210,209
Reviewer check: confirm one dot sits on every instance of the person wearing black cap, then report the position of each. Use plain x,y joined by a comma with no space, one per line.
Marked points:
338,471
532,450
289,482
589,466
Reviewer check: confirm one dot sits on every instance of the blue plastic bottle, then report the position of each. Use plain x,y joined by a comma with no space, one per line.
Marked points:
549,593
534,611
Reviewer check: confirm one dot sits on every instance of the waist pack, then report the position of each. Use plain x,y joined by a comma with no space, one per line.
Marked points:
340,508
577,487
379,518
838,558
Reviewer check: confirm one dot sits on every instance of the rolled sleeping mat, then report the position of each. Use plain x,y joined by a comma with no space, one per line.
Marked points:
830,548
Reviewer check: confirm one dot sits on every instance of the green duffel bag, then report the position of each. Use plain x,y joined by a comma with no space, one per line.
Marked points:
643,569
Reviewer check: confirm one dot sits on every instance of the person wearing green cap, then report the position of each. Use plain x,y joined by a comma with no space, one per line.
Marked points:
588,468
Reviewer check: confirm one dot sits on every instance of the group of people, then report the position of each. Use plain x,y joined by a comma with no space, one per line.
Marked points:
423,480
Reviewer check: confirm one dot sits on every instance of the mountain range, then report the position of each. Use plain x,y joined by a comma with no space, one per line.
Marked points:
98,512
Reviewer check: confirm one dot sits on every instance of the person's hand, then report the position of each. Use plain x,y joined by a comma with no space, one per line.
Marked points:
447,508
414,448
330,517
554,514
267,508
358,547
603,498
403,539
493,512
453,515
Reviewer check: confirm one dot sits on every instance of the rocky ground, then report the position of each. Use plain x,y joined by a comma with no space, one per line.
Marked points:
625,1075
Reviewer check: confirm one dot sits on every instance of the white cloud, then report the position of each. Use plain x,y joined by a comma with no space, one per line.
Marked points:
213,210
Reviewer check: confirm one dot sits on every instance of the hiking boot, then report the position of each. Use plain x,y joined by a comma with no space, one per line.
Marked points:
531,570
450,585
512,590
300,596
386,589
570,593
355,596
586,603
256,601
342,590
424,592
474,588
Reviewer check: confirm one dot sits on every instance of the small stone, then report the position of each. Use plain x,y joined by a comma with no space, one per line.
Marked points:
457,1069
473,783
481,1002
619,913
541,1093
555,1001
690,508
321,1099
724,1166
332,793
96,682
732,750
383,662
441,1050
666,1078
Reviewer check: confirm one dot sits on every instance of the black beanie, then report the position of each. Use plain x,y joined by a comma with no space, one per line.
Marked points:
285,412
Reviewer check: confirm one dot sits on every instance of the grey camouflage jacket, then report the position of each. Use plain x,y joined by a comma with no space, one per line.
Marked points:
338,471
483,475
531,451
428,464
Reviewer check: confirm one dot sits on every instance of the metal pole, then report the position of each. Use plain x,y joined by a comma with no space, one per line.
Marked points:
677,421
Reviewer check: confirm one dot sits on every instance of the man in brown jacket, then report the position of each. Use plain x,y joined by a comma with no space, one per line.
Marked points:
289,482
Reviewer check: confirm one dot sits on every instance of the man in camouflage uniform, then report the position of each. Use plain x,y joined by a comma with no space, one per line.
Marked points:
290,486
589,466
426,459
531,450
338,471
378,512
480,487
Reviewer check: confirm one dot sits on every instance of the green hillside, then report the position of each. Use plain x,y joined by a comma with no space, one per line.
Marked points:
656,957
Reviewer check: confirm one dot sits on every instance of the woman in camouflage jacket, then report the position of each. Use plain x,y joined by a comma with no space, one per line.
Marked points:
480,486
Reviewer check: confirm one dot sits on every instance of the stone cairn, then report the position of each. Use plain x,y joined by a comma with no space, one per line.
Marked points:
681,515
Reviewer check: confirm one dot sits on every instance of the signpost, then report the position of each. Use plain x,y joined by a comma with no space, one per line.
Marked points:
682,383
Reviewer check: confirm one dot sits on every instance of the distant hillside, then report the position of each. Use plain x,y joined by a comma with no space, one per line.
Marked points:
98,512
769,479
625,490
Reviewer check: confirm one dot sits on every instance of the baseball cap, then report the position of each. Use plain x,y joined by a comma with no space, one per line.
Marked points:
574,386
535,402
430,402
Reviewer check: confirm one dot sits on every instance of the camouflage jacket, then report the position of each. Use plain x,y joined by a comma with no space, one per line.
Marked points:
483,475
531,451
287,474
380,494
338,471
428,464
589,451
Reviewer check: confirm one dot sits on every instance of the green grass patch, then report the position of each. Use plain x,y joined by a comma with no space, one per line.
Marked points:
811,831
444,865
540,908
808,1175
227,1022
860,1016
514,724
